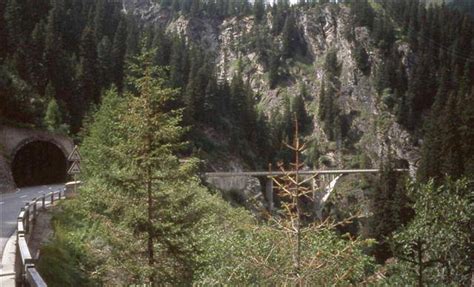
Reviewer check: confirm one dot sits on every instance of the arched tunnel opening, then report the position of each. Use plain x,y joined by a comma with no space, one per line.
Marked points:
39,163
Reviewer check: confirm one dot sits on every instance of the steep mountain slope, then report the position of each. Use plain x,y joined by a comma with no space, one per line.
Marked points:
324,29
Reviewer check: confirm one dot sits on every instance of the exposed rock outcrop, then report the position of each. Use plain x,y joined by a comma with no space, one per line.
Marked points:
324,29
6,180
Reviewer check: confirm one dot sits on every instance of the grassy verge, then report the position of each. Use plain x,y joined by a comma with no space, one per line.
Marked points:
64,260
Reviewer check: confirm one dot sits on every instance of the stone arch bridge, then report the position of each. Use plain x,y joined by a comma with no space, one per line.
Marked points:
32,157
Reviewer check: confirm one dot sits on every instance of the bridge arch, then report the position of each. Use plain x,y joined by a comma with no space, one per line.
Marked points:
34,139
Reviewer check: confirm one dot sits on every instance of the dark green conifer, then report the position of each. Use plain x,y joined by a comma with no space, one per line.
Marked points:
15,24
3,33
451,146
194,10
100,19
273,74
389,206
298,109
106,64
259,10
119,50
54,119
178,62
322,100
132,41
467,133
36,64
290,37
88,75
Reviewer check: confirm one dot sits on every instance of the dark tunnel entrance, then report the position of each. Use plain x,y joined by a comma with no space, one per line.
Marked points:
38,163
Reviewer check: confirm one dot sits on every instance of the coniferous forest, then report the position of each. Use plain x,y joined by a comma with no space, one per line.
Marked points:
153,106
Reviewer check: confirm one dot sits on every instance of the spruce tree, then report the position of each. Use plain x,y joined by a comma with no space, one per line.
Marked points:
88,75
278,18
249,121
178,62
363,13
451,146
15,24
133,35
259,10
100,19
195,9
3,33
273,74
212,106
390,208
53,119
36,64
242,111
165,3
263,136
430,164
119,50
195,89
17,32
329,110
152,194
106,65
402,111
435,248
162,44
175,6
290,37
322,102
52,50
15,92
467,133
299,110
186,6
362,59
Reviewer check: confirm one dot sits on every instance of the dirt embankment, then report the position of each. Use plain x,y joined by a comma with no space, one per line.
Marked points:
42,231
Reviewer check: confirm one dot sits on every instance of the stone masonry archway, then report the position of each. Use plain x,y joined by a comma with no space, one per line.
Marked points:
32,157
38,162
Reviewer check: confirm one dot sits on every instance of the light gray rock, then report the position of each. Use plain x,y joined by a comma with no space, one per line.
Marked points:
324,29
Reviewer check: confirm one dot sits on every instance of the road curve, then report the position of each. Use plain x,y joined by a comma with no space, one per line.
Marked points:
10,205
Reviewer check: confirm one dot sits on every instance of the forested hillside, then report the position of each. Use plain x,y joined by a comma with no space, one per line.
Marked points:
58,56
141,84
465,6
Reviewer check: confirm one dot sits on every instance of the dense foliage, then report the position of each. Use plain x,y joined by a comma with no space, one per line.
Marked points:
153,221
391,210
71,66
58,59
62,51
432,92
436,247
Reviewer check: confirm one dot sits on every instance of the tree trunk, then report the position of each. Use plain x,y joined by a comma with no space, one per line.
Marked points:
151,259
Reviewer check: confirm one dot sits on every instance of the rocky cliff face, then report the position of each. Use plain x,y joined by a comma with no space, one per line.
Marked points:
6,180
324,29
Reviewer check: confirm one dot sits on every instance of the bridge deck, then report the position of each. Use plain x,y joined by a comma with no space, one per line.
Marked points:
301,172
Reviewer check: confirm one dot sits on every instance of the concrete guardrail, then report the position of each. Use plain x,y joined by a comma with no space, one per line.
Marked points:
25,269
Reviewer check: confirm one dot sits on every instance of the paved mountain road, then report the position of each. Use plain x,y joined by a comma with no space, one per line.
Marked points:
10,205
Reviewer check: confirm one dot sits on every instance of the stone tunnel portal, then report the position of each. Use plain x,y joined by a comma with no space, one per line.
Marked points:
37,163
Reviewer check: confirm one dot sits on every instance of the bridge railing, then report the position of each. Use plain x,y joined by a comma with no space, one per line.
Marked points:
325,175
300,172
25,268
